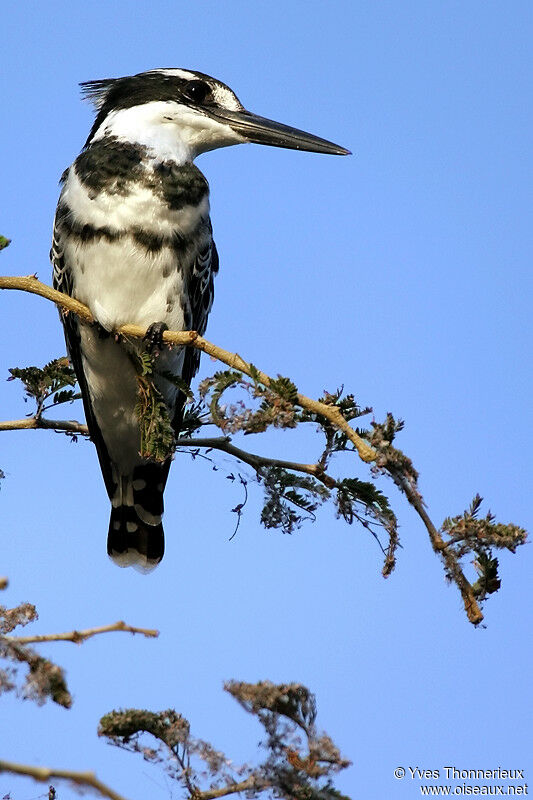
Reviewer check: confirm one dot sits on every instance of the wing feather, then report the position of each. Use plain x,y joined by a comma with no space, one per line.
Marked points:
200,291
63,282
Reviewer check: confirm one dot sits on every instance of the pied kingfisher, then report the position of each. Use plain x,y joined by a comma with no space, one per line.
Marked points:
133,241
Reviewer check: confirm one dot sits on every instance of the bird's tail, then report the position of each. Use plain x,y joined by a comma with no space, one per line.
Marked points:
135,537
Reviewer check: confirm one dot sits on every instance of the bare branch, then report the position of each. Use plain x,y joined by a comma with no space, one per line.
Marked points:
36,423
4,583
192,339
45,774
80,636
256,461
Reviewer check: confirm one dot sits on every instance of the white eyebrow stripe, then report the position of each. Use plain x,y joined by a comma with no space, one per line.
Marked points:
175,73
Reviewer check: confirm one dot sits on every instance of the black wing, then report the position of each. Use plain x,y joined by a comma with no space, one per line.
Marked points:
200,291
62,281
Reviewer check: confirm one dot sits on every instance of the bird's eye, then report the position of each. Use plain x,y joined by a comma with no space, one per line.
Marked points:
196,91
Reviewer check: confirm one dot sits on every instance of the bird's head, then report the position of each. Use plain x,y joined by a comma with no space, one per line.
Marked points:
180,114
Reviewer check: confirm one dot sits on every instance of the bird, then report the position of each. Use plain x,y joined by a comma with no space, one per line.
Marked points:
132,239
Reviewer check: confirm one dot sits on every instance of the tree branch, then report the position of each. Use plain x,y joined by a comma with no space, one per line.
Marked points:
233,788
80,636
192,339
45,774
40,423
233,360
473,611
256,461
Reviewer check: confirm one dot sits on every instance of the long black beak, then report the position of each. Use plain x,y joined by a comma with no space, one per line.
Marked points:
265,131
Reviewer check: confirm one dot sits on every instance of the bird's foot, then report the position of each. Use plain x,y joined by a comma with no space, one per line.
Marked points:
153,337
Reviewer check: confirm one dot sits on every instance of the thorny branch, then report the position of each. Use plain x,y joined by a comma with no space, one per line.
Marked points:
373,446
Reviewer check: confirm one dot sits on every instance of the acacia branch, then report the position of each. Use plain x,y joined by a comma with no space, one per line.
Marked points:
233,360
40,423
45,774
80,636
222,443
193,339
256,461
473,611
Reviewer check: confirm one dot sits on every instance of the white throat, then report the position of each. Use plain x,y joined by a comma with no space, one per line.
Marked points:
171,131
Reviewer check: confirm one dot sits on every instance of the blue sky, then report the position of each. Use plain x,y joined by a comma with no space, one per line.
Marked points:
402,272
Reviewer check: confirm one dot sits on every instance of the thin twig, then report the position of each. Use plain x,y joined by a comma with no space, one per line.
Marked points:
192,339
238,509
45,774
80,636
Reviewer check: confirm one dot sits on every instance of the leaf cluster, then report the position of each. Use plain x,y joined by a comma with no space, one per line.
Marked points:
276,407
155,425
289,498
467,534
41,384
336,440
44,680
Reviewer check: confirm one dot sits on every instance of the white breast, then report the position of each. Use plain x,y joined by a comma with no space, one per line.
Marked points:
119,279
121,282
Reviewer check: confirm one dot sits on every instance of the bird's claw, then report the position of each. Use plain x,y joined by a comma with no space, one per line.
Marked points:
153,337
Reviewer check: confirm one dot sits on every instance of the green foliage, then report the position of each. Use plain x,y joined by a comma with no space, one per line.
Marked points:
220,382
488,581
157,434
44,680
389,459
285,389
294,492
167,726
336,441
469,535
194,417
47,382
352,492
4,242
285,492
276,407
